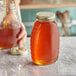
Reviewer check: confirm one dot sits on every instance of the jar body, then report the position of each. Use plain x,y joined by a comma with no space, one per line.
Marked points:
44,43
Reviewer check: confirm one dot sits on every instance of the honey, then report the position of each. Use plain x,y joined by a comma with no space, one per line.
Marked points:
8,38
44,42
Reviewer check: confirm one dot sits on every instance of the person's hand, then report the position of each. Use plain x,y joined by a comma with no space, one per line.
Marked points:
21,35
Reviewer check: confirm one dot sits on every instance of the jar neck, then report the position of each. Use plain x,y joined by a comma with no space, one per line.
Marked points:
45,20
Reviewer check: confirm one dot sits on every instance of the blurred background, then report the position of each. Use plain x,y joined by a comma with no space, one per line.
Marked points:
66,9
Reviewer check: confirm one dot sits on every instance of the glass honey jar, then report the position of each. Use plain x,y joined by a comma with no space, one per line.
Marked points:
44,39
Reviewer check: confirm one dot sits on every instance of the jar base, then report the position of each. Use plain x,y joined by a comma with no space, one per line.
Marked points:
41,62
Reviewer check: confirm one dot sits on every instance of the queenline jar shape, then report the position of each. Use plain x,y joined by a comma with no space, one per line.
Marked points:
45,39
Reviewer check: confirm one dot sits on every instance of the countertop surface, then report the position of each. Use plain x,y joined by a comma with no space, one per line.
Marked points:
23,65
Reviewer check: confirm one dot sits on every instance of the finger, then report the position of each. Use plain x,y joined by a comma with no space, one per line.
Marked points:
22,25
22,32
22,41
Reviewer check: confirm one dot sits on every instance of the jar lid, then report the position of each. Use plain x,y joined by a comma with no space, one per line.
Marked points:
45,16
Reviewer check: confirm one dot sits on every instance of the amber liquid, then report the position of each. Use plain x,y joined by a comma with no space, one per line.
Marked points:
44,43
8,38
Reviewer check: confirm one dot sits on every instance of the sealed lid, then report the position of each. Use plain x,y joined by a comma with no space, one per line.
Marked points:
45,16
